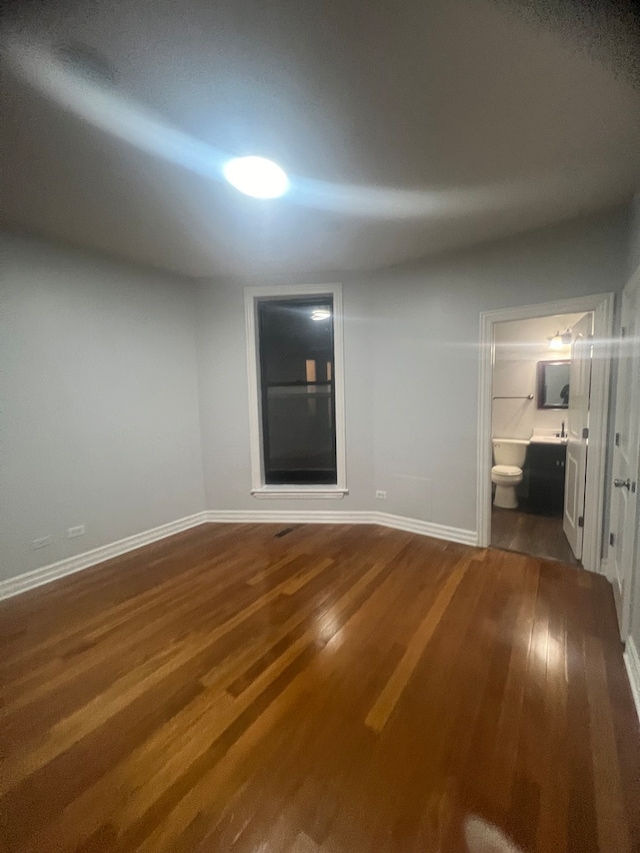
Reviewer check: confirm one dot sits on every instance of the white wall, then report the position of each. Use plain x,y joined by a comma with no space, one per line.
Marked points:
100,419
411,355
104,401
519,346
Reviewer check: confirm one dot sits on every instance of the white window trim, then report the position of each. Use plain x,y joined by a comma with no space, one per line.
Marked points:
258,488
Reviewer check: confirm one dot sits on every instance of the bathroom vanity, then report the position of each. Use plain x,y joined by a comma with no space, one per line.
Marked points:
546,466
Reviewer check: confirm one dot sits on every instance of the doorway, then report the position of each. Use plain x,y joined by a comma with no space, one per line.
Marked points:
532,420
559,465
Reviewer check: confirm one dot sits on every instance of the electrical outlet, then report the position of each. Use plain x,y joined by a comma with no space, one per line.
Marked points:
42,542
381,494
72,532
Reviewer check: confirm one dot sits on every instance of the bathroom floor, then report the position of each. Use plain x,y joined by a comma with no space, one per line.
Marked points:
537,535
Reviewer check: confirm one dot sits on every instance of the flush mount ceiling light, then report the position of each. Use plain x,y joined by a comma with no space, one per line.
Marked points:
256,176
320,314
560,339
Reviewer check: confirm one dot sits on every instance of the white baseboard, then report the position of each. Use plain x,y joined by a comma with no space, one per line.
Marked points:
426,528
276,516
632,663
46,574
385,519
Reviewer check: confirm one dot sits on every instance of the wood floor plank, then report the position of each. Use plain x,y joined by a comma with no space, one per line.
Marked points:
315,689
612,826
386,702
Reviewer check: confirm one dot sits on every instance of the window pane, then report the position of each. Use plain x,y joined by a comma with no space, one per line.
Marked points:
297,393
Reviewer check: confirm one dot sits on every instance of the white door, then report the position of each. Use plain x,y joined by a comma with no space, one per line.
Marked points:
578,417
624,486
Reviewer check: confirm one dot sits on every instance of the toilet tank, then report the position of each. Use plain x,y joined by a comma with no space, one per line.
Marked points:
509,451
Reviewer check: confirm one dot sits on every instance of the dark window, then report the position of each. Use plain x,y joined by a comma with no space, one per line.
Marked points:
295,346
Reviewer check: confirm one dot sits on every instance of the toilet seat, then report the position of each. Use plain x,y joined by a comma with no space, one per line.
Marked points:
509,454
506,470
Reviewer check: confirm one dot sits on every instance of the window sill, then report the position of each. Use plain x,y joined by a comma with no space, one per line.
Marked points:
295,492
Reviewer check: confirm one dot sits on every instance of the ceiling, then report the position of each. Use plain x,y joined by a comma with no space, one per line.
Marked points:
408,128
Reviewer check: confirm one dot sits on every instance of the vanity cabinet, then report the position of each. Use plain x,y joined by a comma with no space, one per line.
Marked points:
546,463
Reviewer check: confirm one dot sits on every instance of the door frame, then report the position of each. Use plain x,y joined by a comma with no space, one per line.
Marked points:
602,305
634,585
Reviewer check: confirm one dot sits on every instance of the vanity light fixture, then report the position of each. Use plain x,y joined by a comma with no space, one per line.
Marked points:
560,339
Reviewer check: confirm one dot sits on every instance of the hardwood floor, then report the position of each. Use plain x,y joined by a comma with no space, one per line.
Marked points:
536,535
317,688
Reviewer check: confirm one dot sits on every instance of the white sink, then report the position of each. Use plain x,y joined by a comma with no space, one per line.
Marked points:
548,439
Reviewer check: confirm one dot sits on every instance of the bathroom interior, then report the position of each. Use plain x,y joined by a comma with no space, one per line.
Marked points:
530,429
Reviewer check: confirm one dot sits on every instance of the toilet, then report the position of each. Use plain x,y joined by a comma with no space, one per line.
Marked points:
509,455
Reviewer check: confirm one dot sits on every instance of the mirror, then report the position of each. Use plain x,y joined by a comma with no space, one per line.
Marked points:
553,384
